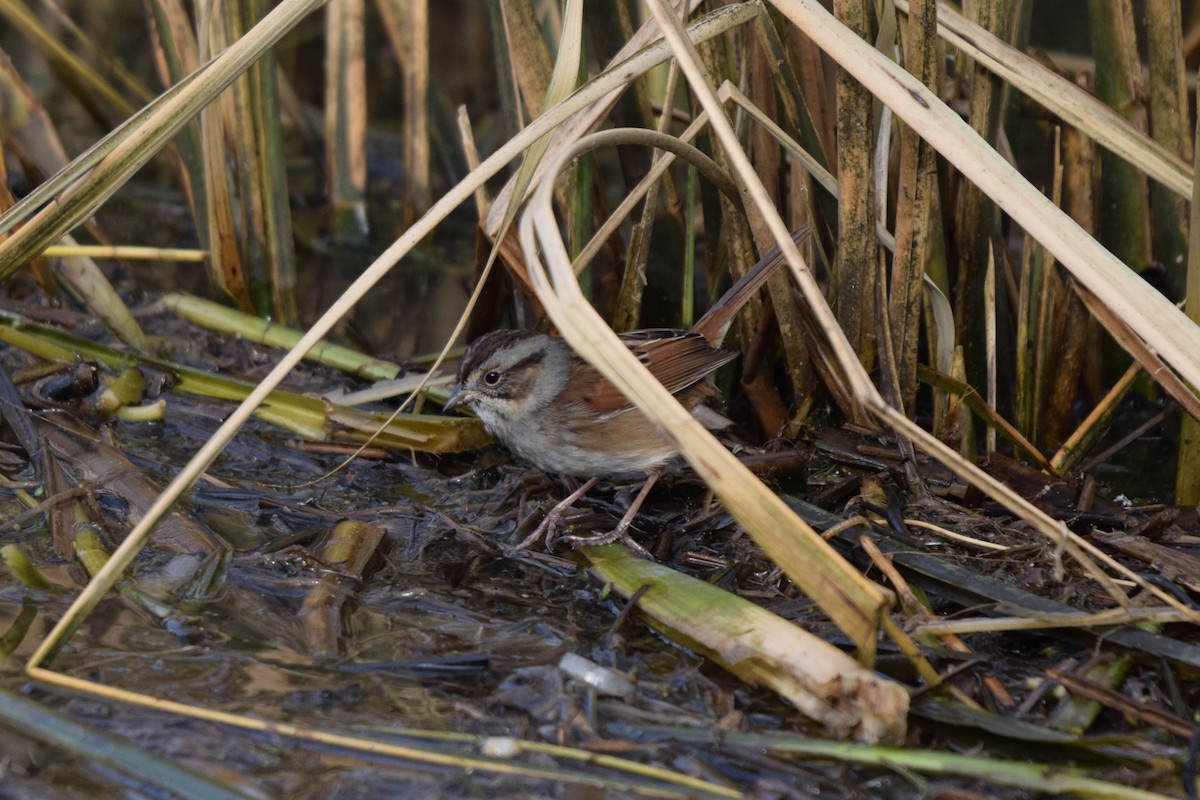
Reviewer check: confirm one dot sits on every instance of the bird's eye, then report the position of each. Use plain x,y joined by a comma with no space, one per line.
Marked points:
492,378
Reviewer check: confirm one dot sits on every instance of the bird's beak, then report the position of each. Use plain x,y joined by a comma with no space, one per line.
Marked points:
460,396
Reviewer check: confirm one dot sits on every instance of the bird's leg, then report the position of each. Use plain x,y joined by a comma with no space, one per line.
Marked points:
622,530
547,525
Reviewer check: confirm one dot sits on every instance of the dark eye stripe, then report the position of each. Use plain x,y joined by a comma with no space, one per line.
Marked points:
516,381
527,361
482,349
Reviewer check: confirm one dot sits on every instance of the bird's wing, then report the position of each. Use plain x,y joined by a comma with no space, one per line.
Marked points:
678,359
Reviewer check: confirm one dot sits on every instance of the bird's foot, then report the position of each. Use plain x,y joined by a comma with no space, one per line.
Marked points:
621,532
549,525
617,534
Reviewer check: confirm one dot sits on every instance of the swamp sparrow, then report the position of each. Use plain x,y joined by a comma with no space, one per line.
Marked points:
552,408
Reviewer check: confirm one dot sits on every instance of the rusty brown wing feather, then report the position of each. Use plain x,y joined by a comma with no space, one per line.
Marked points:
715,323
678,359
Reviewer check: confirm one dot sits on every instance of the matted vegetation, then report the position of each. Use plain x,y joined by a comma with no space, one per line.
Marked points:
916,540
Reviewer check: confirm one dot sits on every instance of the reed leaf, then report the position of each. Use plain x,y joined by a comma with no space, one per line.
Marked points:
855,274
80,199
1076,108
824,683
310,417
1170,123
93,91
61,731
247,326
916,203
1187,478
346,118
1125,220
